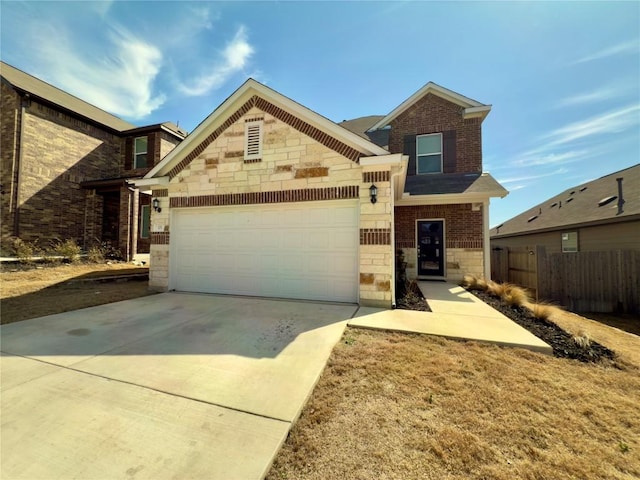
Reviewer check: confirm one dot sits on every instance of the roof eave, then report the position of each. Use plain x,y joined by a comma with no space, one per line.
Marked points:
445,93
593,223
446,198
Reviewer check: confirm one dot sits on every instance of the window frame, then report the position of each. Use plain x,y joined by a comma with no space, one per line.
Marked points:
142,217
570,248
136,153
418,155
252,145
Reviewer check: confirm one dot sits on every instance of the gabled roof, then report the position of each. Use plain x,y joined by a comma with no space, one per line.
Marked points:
37,88
591,203
168,127
250,90
472,108
361,126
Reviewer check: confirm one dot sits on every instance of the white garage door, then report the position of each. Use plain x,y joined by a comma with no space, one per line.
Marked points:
304,251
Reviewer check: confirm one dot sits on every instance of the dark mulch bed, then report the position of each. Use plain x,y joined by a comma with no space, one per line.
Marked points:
562,342
409,297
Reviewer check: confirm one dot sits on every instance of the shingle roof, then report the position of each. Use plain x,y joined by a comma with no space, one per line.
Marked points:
580,205
452,183
360,125
36,87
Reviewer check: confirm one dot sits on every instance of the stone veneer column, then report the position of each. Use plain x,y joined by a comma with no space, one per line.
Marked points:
377,259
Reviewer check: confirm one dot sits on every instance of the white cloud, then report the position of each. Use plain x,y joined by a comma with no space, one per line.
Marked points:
611,91
527,178
119,81
235,58
540,156
632,46
614,121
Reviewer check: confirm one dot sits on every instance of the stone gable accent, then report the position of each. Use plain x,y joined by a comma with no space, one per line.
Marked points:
285,117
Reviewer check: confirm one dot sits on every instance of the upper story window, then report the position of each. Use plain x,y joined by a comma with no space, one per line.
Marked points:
140,153
429,153
253,140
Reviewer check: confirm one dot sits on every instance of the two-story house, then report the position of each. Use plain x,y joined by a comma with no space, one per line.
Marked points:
269,198
66,167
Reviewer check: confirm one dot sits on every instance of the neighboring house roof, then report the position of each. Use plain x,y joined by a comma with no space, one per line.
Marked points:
452,183
29,84
251,88
593,202
472,108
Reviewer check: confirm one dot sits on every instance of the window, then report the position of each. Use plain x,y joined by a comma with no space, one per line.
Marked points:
140,153
429,153
253,140
569,242
145,221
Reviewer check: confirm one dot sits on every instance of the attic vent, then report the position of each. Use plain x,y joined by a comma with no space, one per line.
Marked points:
253,140
554,204
570,199
572,192
531,219
606,200
583,189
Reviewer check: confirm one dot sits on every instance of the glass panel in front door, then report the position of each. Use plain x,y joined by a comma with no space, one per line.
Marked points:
430,248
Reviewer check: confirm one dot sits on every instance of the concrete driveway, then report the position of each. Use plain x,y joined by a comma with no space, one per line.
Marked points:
166,386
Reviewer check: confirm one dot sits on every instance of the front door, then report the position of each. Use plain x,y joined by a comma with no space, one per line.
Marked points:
431,248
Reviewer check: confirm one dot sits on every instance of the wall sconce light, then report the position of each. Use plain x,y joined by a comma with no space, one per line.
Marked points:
373,193
156,205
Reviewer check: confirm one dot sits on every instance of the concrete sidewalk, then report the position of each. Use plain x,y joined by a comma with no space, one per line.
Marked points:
456,313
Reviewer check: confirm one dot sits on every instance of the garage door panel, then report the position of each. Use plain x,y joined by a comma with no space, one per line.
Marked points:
304,251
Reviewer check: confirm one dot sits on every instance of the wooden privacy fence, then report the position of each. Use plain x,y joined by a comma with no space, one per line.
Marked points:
606,281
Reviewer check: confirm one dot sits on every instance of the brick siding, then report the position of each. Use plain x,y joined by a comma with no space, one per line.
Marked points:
432,114
463,226
58,153
253,198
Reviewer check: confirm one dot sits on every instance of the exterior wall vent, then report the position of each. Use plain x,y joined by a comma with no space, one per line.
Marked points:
531,219
554,204
583,189
570,199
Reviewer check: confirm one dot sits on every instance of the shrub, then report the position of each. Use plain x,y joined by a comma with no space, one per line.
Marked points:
95,255
68,250
469,281
582,340
515,296
543,311
25,251
496,289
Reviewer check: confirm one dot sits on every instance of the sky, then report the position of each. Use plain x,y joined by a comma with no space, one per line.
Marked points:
563,78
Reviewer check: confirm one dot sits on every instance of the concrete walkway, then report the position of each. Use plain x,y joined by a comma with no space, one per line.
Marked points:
455,314
164,386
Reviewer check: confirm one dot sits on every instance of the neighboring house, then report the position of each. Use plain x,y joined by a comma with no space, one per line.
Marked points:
580,248
268,198
66,166
600,215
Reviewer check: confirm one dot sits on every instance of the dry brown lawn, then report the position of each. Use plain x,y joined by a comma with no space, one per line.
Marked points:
398,406
43,291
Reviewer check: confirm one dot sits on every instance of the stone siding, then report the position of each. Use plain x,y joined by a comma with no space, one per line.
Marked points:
293,167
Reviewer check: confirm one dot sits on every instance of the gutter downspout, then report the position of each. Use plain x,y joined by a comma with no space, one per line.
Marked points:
487,240
17,170
393,235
